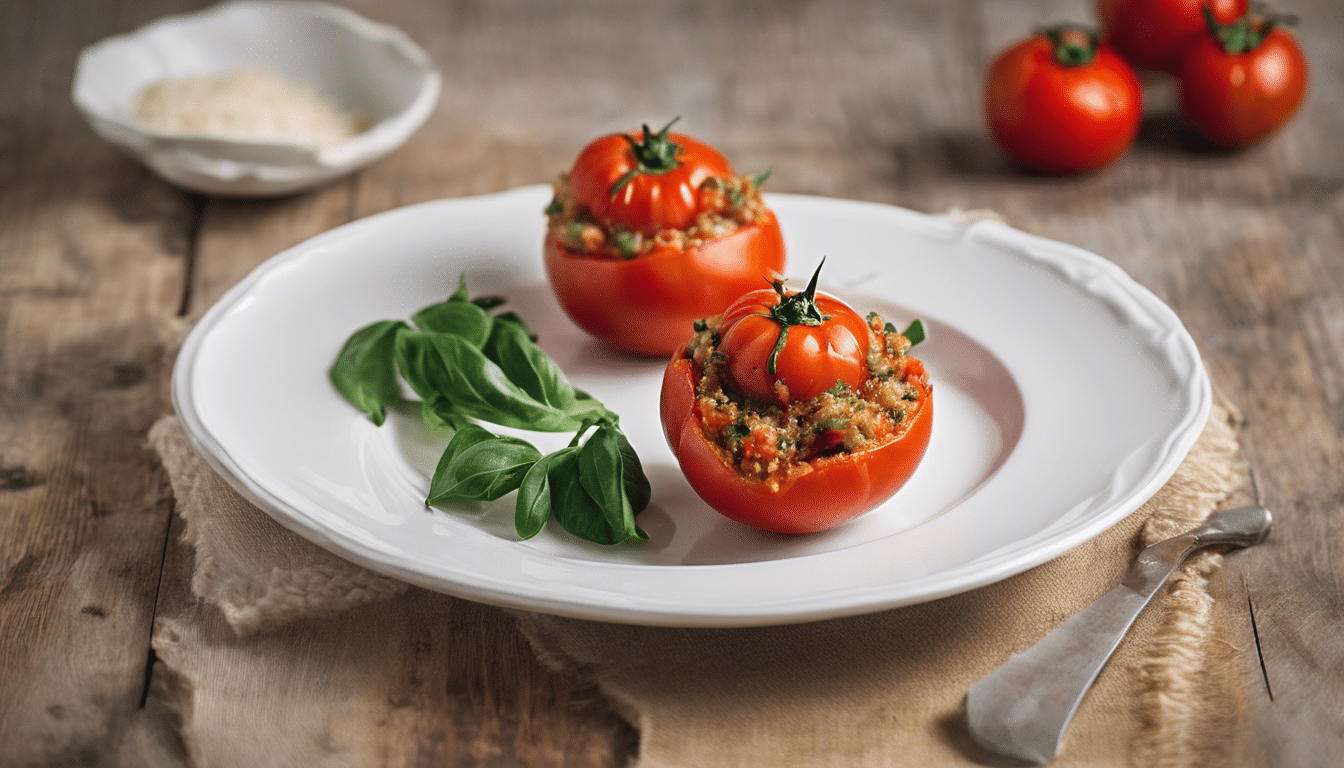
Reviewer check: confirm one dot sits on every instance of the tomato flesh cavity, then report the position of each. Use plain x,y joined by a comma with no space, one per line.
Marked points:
791,413
836,489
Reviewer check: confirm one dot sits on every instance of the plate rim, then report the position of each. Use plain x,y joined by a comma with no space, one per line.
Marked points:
982,571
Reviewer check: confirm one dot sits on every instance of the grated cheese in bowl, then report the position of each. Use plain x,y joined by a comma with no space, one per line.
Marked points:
253,103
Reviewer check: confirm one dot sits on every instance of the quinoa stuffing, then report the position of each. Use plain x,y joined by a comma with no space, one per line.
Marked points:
726,204
772,443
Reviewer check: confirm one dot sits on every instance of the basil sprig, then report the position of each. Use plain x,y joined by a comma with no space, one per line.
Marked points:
466,364
364,372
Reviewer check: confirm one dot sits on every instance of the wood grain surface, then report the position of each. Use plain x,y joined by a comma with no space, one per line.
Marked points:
859,99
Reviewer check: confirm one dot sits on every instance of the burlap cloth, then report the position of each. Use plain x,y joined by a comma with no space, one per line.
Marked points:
878,690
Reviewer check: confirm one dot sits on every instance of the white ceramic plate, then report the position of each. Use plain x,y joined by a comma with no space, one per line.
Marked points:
1066,395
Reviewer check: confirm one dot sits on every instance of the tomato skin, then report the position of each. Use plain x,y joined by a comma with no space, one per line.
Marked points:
1154,34
1240,99
1061,119
647,202
813,359
647,305
839,489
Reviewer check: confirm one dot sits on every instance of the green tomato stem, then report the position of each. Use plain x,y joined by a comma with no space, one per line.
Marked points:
797,309
656,154
1074,46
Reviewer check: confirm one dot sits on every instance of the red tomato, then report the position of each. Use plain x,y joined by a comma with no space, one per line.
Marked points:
645,185
1062,103
647,305
839,488
805,341
1154,34
1242,87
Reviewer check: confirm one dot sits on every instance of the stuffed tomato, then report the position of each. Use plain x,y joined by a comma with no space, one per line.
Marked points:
792,413
650,232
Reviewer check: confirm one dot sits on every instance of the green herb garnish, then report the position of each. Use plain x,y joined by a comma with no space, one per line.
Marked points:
466,364
915,332
363,372
627,243
827,425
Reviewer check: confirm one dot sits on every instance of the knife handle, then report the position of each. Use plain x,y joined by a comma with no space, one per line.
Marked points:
1022,708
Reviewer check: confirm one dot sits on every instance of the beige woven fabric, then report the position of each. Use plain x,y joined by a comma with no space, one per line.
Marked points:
259,574
889,688
879,690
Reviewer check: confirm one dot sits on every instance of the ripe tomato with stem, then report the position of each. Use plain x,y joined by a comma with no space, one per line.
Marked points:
1062,102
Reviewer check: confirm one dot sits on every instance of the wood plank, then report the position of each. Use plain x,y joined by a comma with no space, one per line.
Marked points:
91,260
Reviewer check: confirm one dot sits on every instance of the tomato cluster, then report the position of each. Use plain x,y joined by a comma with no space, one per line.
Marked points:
783,347
1066,100
1155,34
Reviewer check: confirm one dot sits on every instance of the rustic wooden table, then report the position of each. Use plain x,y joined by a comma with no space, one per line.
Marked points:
868,100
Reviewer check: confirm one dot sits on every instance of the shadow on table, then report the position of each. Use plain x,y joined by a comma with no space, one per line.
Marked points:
1167,133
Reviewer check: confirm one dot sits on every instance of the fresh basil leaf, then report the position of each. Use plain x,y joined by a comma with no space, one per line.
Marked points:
633,531
364,373
488,302
512,317
438,413
529,367
573,508
637,487
459,318
480,466
467,436
915,333
461,293
589,421
419,365
534,496
591,409
447,366
600,471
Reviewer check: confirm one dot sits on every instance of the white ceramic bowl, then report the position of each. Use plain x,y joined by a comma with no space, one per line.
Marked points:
357,64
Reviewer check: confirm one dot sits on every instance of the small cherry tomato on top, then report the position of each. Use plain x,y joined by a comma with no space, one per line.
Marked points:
1154,34
649,233
1242,81
785,346
645,184
1062,102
